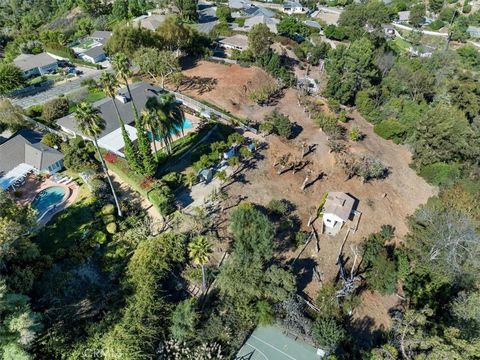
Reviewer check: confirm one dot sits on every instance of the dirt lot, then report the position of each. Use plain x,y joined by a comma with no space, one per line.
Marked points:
387,201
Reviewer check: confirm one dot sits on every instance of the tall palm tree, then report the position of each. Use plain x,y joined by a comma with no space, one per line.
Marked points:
160,122
110,86
92,124
173,111
199,251
121,65
150,120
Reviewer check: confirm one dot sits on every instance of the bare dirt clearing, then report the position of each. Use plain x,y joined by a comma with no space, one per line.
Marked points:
387,201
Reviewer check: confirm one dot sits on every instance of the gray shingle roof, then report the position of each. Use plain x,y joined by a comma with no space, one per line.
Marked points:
259,11
141,91
340,204
27,62
94,51
25,147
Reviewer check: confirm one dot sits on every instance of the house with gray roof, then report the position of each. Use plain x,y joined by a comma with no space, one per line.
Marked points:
36,65
257,11
236,42
336,211
251,22
239,4
403,16
474,31
150,21
24,152
111,138
313,24
101,36
94,55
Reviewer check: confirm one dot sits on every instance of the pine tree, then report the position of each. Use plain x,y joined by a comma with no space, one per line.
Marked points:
131,152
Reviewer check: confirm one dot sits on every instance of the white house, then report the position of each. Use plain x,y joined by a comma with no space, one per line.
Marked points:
293,7
336,211
94,55
403,16
35,65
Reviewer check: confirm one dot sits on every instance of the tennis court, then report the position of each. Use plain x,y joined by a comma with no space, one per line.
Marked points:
269,343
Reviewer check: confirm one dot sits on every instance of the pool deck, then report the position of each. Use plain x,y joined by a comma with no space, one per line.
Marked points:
33,186
195,122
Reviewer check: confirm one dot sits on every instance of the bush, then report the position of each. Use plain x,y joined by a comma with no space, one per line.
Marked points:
55,109
108,209
90,83
329,125
112,228
280,124
34,111
174,179
162,198
277,207
440,174
436,25
99,237
52,140
354,134
391,129
107,219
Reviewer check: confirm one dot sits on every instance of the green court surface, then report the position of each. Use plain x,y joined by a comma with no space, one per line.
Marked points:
269,343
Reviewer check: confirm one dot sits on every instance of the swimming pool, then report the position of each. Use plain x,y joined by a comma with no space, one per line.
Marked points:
47,197
187,124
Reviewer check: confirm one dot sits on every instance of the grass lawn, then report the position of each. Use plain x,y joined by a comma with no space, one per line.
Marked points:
69,226
93,96
400,45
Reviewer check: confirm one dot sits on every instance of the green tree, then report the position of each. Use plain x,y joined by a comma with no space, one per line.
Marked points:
259,40
188,9
11,117
176,36
128,39
120,10
55,109
122,66
156,120
224,13
436,5
52,140
443,135
253,233
328,333
417,13
292,26
92,124
358,16
144,147
199,250
349,70
184,321
109,83
155,62
11,78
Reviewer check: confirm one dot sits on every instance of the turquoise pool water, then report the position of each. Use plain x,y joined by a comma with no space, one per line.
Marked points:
48,197
186,125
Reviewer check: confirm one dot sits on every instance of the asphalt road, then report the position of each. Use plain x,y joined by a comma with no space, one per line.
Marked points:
56,90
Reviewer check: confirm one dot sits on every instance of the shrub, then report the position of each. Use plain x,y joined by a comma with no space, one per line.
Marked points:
162,198
262,94
55,109
111,228
99,237
436,25
107,219
440,174
391,129
354,134
147,182
329,125
173,179
277,207
90,83
52,140
108,209
34,111
280,124
300,238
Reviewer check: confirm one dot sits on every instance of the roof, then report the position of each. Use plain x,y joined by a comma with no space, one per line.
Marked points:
150,22
258,11
141,91
237,40
27,62
94,52
25,147
403,15
101,35
313,24
292,4
239,4
340,204
270,22
114,141
473,29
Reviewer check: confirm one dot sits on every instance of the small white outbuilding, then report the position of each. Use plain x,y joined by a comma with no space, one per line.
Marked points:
336,211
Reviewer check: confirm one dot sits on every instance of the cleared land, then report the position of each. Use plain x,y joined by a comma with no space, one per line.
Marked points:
387,201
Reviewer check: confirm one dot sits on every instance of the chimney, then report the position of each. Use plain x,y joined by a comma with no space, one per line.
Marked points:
122,98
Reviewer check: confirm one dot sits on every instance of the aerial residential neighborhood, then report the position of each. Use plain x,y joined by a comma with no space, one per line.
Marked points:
241,179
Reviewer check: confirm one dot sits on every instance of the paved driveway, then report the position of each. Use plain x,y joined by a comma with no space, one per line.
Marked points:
60,89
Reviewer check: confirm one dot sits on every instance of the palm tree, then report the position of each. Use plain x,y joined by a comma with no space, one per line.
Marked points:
159,122
173,111
151,121
92,124
199,250
121,65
